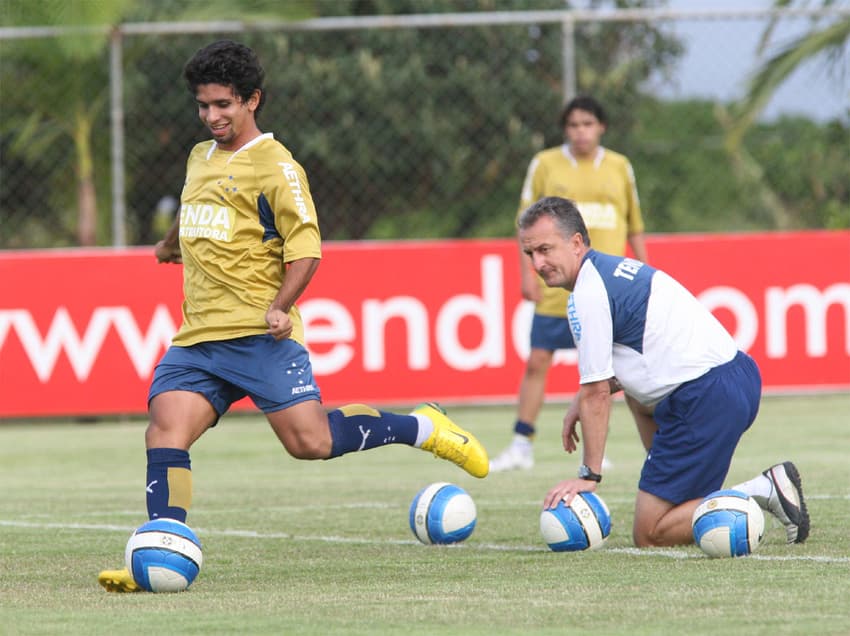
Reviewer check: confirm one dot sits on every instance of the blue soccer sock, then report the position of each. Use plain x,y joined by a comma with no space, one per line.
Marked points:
524,428
169,483
357,427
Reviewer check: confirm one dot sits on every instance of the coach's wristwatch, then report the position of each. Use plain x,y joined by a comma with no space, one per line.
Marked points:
585,473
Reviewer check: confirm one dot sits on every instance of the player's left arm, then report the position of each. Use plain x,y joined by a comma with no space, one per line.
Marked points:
299,273
296,221
638,245
634,216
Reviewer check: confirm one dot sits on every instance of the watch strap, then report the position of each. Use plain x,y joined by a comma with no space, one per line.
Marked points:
585,473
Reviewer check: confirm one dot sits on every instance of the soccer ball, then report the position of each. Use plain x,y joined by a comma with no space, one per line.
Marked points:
442,513
163,555
728,523
583,525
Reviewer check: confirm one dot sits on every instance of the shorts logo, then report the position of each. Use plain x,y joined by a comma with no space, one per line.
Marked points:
296,390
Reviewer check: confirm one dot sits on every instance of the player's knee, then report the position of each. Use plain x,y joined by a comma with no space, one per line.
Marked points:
307,446
537,366
643,541
645,536
160,435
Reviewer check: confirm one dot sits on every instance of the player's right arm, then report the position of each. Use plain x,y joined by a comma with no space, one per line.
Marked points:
531,192
529,285
168,249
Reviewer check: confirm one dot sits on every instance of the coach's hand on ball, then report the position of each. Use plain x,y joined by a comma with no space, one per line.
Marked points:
566,490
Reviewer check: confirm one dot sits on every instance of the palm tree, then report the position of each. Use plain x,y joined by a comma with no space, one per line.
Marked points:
830,40
57,89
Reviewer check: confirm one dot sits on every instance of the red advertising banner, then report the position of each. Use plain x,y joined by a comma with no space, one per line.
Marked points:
400,322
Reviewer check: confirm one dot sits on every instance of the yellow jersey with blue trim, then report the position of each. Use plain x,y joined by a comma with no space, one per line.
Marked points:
604,190
243,215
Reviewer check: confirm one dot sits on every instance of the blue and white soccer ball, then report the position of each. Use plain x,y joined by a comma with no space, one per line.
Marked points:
583,525
164,555
442,513
728,523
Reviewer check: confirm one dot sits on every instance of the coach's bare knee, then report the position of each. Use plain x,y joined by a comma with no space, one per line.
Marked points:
643,539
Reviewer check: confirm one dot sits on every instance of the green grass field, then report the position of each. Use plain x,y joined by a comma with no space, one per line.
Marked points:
294,547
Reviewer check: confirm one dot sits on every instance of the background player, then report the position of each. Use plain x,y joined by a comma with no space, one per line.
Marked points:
602,184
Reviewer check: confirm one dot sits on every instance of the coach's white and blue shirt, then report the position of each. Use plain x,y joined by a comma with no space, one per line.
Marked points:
635,322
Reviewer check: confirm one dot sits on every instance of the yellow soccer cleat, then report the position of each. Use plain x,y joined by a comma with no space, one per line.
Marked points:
118,581
453,443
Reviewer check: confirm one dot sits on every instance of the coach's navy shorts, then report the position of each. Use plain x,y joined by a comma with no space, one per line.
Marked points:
551,333
275,374
699,426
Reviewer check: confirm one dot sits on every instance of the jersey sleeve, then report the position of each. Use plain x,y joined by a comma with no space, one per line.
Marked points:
589,314
634,217
532,187
295,212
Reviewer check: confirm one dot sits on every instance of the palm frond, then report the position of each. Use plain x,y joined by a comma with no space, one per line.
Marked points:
777,69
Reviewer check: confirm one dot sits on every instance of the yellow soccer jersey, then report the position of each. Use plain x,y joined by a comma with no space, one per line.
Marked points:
604,191
243,214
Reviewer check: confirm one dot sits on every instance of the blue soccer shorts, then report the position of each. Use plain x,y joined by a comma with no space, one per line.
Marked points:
699,426
275,374
551,333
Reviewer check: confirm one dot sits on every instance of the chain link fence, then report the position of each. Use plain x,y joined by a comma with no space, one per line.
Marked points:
408,127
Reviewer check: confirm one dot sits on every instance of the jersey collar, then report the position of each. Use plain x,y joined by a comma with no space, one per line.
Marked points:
597,160
253,142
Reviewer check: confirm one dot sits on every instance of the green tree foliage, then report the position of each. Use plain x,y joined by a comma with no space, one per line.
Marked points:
815,194
826,41
55,89
807,166
405,133
688,180
487,98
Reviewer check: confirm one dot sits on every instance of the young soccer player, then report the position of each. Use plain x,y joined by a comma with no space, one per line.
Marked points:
248,237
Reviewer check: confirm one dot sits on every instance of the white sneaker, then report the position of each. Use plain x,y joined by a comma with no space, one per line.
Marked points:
786,501
513,458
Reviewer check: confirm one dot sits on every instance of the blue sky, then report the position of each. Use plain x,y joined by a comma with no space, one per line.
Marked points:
721,55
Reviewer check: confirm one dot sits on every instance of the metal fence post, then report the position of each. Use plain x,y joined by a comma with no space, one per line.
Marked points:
116,82
568,58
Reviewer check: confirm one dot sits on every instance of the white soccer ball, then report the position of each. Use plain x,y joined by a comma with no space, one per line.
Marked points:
728,523
583,525
164,555
442,513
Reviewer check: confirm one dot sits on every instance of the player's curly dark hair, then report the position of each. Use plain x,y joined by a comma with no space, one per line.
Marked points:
230,64
585,103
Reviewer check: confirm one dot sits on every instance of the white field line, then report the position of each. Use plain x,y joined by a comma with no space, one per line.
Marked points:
252,534
376,505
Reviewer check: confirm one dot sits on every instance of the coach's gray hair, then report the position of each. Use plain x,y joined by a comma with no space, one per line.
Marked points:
563,212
